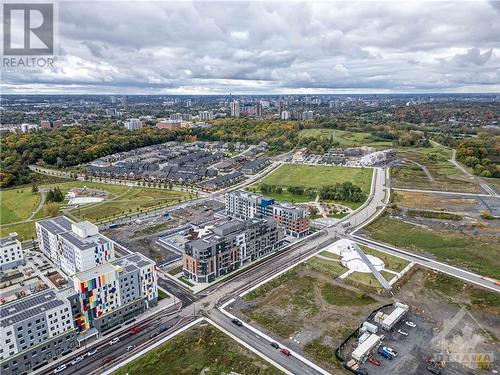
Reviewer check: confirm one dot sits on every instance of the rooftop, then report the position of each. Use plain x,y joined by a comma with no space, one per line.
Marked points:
56,225
20,310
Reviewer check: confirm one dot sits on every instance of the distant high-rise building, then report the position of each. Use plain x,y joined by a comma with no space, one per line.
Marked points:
206,115
281,108
308,115
176,116
188,103
235,109
285,115
133,124
258,109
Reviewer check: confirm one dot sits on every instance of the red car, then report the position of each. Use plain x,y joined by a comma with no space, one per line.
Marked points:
374,361
135,330
285,351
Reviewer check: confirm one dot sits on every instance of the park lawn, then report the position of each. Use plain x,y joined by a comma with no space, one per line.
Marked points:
367,280
310,176
25,231
331,268
17,204
284,196
202,349
346,138
476,254
391,262
113,190
133,201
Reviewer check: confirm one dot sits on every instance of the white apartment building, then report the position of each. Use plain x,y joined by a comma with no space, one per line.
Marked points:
133,124
73,247
206,115
235,108
11,252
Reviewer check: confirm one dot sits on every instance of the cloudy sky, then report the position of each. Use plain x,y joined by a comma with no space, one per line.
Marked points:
270,47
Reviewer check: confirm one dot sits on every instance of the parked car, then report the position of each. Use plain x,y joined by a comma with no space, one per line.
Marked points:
114,341
275,345
285,351
373,361
401,332
135,330
390,350
76,360
130,347
385,354
154,334
237,322
410,324
91,352
60,369
434,369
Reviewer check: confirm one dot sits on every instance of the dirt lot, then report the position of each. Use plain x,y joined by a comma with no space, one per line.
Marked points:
313,313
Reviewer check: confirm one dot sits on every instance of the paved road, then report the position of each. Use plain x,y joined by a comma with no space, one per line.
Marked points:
488,189
208,301
430,263
290,363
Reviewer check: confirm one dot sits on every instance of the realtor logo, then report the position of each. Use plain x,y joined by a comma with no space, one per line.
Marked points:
28,29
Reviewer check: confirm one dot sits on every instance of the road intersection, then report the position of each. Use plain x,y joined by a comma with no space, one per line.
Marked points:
213,303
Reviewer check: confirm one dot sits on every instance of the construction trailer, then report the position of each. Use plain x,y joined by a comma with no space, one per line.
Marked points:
395,316
364,349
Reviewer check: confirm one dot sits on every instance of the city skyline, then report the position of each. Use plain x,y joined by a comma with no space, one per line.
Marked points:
196,48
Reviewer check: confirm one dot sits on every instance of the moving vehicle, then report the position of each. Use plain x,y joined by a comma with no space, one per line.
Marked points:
91,353
373,361
163,329
130,347
154,334
237,322
410,324
285,351
113,226
114,341
385,354
390,350
275,345
401,332
60,369
76,360
135,330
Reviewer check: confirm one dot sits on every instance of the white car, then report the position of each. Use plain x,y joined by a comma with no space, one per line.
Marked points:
410,324
60,369
401,332
130,347
114,341
92,352
391,351
76,360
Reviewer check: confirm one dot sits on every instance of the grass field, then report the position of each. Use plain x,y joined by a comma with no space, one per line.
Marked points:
134,200
310,176
444,175
307,305
391,262
17,204
477,254
345,138
199,350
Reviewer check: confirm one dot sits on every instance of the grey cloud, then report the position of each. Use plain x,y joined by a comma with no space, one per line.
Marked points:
271,46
